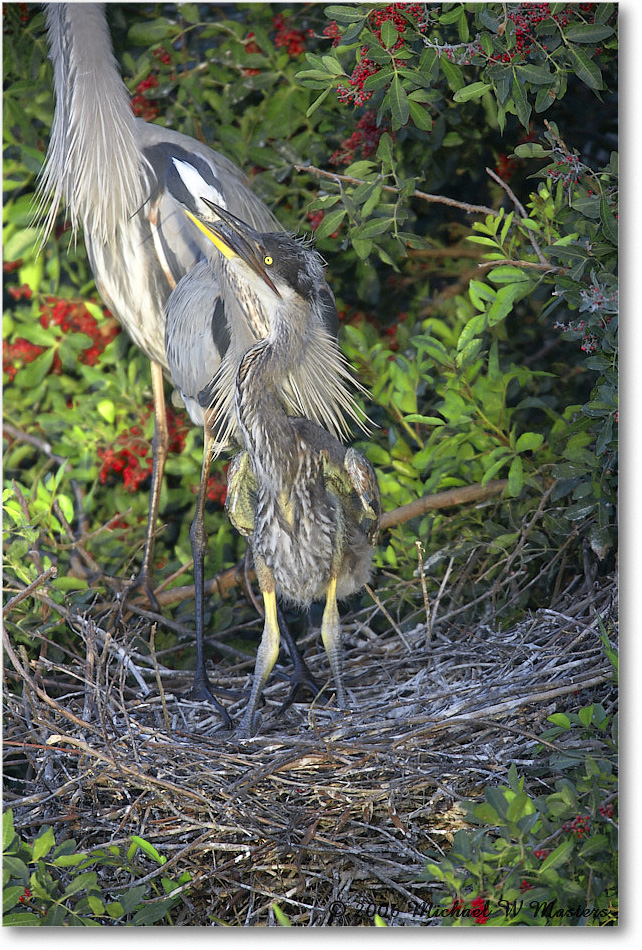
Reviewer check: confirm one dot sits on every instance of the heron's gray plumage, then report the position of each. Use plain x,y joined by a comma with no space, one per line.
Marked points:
126,183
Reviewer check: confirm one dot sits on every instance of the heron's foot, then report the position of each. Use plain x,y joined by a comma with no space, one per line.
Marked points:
142,584
300,679
201,692
247,727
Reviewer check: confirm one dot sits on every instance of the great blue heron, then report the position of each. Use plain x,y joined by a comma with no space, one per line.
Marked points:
124,180
309,506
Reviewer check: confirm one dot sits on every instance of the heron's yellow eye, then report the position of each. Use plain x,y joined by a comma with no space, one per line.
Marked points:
268,260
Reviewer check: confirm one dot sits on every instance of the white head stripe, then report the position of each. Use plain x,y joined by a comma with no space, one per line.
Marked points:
198,187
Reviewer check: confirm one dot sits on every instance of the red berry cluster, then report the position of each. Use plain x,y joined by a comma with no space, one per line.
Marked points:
17,354
368,67
606,811
365,138
9,266
163,56
216,487
26,893
315,218
333,32
142,106
287,37
580,826
525,886
505,166
527,16
251,47
130,456
73,317
542,853
20,293
480,909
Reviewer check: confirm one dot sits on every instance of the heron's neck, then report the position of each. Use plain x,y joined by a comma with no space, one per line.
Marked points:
269,435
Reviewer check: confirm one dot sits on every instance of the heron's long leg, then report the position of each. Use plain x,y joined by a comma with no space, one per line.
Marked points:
331,635
268,648
160,446
201,689
331,623
301,676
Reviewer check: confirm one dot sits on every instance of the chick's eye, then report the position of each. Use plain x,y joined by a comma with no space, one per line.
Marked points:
268,260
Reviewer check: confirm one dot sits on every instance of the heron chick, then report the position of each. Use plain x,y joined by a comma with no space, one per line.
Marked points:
309,506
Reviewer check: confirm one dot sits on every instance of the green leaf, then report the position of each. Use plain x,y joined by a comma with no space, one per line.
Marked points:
8,830
282,918
521,805
372,228
80,882
318,101
515,477
389,34
587,32
559,856
345,14
149,914
149,31
453,74
560,719
149,850
529,442
399,104
130,899
424,420
384,149
532,150
330,223
521,102
609,222
585,69
332,65
475,91
189,11
585,715
420,116
43,844
25,919
538,75
503,303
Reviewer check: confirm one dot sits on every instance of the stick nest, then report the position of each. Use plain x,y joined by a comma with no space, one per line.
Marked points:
323,809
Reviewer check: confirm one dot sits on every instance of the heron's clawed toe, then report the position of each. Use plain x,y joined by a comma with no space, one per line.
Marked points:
141,585
201,692
300,679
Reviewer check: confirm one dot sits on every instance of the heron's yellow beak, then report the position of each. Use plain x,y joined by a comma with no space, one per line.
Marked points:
224,248
236,241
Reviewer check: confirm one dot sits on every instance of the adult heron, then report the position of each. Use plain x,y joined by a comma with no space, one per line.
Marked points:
309,506
124,181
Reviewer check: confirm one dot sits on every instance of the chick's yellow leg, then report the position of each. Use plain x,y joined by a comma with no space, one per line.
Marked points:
268,649
331,635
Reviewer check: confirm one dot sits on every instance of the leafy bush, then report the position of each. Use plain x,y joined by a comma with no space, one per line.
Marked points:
483,317
45,884
544,859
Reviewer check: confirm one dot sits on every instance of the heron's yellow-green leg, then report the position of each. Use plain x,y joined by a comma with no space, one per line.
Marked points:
268,648
331,635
